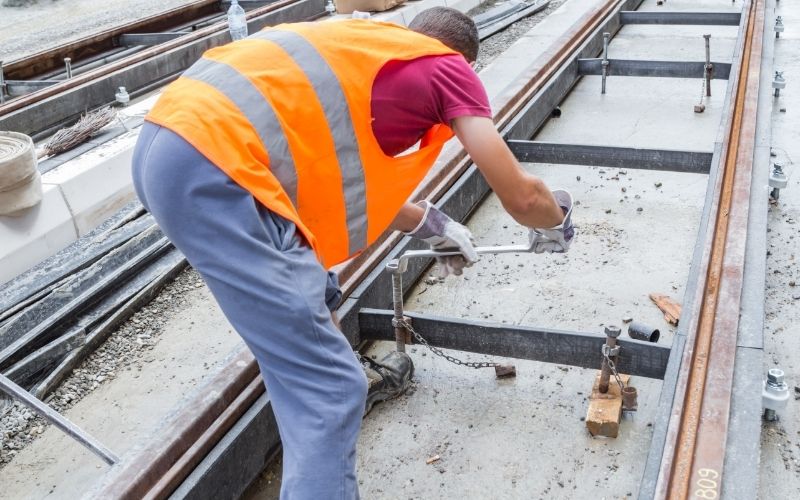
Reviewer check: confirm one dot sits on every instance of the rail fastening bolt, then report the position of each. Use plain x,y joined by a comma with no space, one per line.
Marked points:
612,331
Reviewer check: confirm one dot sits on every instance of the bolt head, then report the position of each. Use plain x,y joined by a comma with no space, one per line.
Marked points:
775,376
612,331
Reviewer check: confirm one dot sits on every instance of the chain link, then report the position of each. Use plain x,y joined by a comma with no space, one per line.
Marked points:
703,83
613,368
470,364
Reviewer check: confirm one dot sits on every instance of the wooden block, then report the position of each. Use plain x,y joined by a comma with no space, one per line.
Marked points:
605,410
670,308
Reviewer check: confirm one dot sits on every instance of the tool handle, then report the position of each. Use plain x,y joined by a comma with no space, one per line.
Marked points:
535,238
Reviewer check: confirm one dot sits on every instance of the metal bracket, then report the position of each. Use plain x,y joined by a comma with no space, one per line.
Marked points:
401,332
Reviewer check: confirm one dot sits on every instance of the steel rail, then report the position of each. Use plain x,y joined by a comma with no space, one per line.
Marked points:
693,458
451,166
121,64
47,60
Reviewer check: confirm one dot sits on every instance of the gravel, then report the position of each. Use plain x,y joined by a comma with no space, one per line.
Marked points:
127,349
499,42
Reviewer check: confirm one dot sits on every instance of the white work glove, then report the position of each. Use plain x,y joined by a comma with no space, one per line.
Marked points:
443,233
558,238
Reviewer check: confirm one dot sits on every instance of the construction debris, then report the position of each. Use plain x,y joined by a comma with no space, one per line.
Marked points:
505,371
433,459
670,308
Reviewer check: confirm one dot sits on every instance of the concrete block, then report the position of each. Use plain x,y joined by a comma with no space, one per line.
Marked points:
35,235
605,410
97,184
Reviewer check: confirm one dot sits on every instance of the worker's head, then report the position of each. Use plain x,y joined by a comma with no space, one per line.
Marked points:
451,27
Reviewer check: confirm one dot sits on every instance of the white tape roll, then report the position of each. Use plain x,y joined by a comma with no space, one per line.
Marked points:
20,182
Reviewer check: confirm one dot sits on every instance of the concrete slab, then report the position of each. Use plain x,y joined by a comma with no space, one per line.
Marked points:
40,232
664,116
98,184
524,438
780,441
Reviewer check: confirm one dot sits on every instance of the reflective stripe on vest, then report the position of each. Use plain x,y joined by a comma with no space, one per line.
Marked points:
259,113
262,117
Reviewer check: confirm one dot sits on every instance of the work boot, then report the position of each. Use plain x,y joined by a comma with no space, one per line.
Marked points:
387,378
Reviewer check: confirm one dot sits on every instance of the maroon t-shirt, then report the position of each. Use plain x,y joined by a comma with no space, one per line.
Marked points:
409,97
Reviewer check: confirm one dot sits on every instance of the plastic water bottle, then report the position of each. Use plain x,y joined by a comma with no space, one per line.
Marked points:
237,22
330,8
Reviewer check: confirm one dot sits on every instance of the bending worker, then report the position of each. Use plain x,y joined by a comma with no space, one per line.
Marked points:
275,157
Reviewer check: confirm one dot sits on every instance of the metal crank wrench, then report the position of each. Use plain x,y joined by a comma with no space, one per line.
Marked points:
398,266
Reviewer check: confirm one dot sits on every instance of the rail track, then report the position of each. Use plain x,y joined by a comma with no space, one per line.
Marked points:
212,438
140,56
694,459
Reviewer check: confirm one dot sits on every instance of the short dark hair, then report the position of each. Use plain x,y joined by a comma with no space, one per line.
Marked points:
451,27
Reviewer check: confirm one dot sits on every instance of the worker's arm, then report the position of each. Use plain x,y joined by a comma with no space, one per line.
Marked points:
409,217
524,196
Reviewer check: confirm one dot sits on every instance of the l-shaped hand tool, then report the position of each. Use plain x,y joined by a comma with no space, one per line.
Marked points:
398,266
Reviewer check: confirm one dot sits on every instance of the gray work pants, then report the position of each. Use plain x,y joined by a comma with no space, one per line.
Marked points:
277,296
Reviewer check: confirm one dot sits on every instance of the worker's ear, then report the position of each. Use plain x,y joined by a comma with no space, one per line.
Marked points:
472,64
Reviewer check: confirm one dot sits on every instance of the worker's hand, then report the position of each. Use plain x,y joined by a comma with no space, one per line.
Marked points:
443,233
558,238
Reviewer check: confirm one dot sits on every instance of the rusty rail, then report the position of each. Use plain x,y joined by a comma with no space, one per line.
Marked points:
51,59
121,64
697,434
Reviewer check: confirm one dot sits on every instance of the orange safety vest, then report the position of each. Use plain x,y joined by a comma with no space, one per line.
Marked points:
286,113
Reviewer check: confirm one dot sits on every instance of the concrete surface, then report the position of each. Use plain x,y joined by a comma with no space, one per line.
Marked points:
475,422
525,437
780,441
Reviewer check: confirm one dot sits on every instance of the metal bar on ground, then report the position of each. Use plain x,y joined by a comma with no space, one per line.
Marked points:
688,18
579,349
696,162
90,46
656,69
58,420
136,39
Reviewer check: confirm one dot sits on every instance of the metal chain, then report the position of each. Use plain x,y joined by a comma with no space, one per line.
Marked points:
613,368
703,87
470,364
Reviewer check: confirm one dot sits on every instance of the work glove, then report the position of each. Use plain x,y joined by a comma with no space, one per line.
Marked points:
558,238
443,233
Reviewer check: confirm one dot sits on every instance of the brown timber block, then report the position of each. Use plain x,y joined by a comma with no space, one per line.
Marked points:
670,308
605,410
505,371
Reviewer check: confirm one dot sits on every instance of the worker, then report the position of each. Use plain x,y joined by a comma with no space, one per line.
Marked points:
273,158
